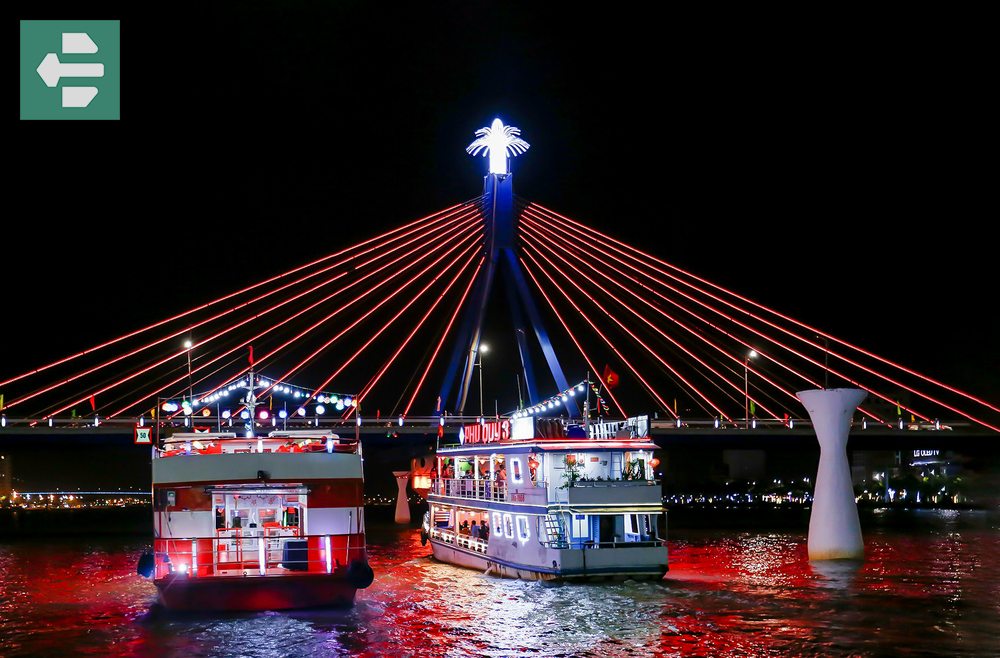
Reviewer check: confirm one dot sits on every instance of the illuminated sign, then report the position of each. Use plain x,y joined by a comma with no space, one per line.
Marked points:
143,435
522,428
491,432
926,453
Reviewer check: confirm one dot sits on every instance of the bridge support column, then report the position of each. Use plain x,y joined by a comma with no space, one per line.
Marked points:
834,527
402,506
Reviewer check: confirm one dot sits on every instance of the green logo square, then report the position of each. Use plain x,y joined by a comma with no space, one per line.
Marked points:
70,69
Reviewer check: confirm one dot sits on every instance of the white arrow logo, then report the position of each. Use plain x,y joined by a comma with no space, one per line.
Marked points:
51,69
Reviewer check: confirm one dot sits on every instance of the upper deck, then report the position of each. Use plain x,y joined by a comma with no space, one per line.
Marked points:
547,464
279,457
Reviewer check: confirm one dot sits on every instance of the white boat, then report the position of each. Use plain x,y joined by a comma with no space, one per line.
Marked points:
556,502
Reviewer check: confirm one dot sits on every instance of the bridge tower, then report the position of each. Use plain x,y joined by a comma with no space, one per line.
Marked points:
500,143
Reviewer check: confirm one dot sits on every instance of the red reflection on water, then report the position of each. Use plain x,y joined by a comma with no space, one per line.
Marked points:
726,594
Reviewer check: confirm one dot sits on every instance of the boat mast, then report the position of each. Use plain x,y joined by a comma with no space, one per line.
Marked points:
250,401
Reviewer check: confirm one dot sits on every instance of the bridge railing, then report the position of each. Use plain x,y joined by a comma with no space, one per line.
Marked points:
429,424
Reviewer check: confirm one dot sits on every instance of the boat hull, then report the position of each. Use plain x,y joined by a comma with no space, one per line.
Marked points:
572,571
246,594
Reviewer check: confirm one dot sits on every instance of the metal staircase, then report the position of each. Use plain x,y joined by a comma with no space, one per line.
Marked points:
555,532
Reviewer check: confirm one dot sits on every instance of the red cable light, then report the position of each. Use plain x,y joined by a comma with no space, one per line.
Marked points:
370,312
555,311
714,406
411,264
91,370
805,340
444,335
374,380
230,296
787,319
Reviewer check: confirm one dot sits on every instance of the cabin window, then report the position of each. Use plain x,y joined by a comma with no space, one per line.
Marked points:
515,466
498,524
508,526
523,532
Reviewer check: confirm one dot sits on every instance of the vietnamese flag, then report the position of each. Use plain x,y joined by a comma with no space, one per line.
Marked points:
251,355
610,377
93,402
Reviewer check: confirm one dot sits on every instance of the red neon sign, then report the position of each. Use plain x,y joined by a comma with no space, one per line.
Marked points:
491,432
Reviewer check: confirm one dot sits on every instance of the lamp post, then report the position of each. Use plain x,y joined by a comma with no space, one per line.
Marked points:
746,387
483,349
188,345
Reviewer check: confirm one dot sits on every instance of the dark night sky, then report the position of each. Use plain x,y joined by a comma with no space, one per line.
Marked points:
830,169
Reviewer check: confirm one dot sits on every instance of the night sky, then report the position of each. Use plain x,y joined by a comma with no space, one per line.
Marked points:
831,171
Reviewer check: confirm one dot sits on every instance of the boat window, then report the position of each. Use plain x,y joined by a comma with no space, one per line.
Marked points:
523,532
497,524
508,526
515,466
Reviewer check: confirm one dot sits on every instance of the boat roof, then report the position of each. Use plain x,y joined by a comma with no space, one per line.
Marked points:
548,445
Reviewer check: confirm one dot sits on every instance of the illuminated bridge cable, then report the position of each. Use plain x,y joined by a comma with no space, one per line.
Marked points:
793,351
690,386
242,291
568,246
539,245
426,254
465,256
470,224
569,332
444,335
812,361
571,246
607,341
610,243
441,295
93,369
475,235
469,228
726,333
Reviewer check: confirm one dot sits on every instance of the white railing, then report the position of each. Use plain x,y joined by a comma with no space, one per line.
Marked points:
465,541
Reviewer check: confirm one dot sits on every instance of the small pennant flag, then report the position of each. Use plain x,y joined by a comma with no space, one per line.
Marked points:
73,413
753,408
899,409
913,418
251,355
93,402
675,406
1,401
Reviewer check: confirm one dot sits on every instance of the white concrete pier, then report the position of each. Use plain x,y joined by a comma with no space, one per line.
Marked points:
834,527
402,506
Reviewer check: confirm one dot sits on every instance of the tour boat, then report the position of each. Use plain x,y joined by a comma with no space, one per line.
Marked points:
259,523
546,500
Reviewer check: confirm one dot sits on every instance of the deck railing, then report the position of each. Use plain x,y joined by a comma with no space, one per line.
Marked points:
484,489
449,537
206,557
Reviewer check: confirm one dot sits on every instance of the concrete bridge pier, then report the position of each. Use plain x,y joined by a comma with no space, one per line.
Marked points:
834,527
402,506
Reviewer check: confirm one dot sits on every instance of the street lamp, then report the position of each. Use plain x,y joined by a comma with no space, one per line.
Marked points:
188,345
483,349
746,386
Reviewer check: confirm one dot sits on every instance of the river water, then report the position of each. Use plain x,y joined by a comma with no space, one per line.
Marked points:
930,588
